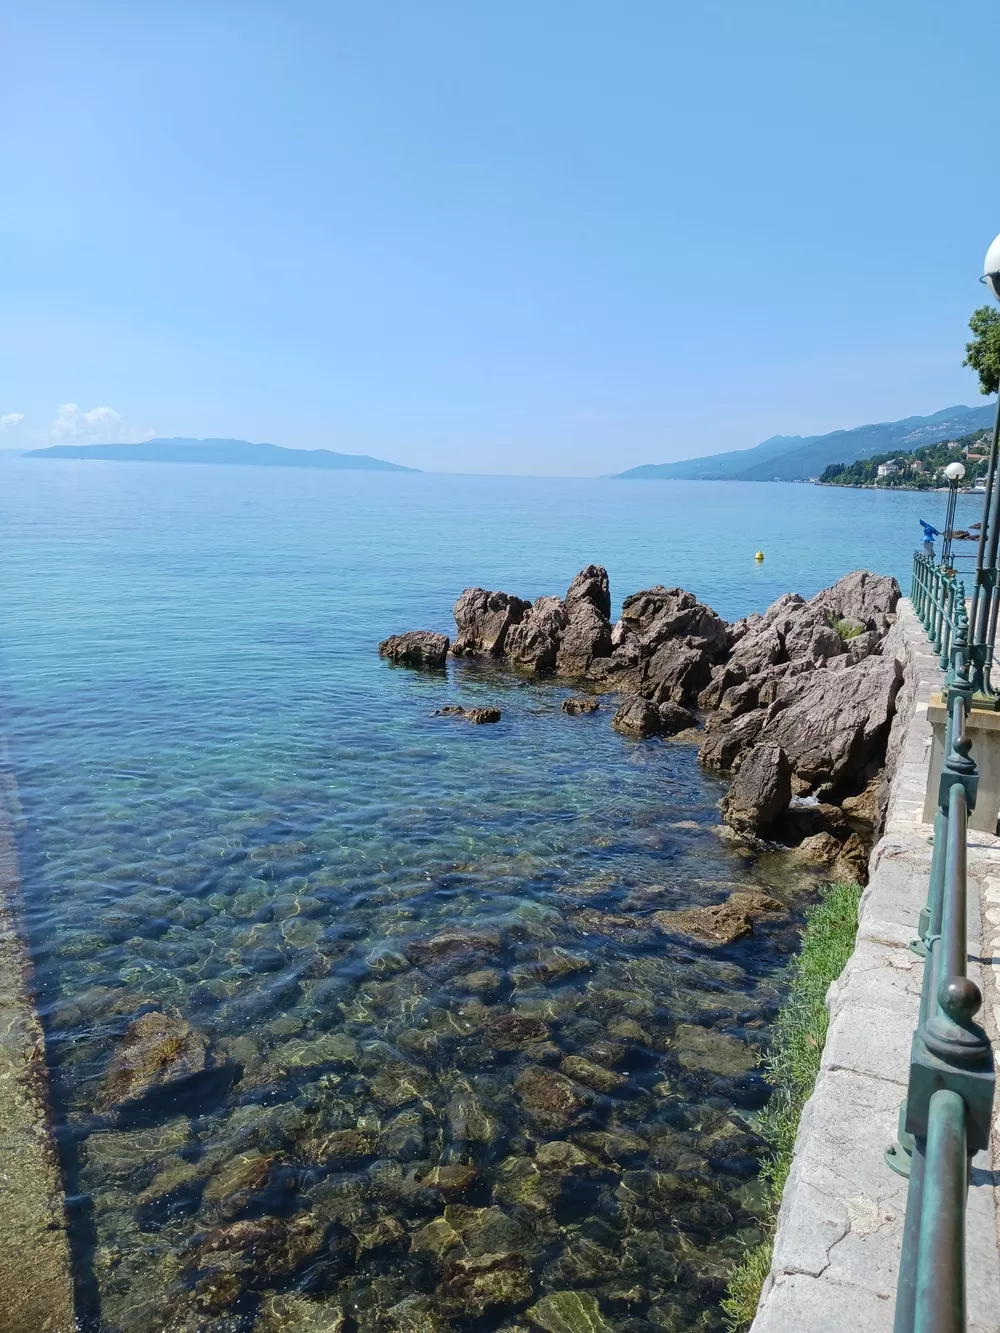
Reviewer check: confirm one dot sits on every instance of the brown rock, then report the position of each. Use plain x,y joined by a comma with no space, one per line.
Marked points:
591,1075
416,648
533,643
551,1099
451,1181
341,1145
723,923
638,718
157,1051
760,791
471,1285
484,620
591,585
479,716
512,1032
451,944
576,706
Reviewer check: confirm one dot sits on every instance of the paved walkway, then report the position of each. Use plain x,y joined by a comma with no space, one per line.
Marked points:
836,1253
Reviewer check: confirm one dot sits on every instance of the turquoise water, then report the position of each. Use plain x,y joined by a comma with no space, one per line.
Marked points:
234,811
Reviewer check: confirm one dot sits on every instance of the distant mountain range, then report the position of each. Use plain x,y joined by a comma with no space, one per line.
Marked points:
798,457
218,451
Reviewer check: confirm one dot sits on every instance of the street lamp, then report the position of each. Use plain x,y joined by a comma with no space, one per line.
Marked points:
985,597
954,472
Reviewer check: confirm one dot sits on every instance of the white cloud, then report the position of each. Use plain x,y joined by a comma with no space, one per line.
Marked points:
98,425
10,419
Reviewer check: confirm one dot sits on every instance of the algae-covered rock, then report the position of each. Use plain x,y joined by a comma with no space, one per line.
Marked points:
551,1099
513,1032
721,923
451,1181
341,1145
708,1050
157,1051
437,1239
593,1076
288,1312
483,1282
568,1312
415,1314
266,1247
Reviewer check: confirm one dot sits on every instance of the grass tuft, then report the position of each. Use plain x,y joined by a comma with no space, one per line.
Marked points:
847,629
791,1066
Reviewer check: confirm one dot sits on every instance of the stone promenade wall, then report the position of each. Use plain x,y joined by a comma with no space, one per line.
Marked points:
836,1253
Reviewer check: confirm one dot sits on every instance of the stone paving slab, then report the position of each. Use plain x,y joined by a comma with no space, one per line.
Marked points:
836,1253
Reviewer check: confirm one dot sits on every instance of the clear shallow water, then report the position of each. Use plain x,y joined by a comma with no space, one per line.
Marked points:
233,810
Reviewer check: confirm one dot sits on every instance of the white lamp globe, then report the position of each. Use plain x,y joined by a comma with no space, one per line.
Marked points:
991,268
954,472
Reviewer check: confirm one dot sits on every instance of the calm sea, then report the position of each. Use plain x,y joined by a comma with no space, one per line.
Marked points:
233,810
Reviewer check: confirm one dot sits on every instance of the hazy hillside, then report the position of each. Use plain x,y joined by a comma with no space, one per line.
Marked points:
218,451
797,457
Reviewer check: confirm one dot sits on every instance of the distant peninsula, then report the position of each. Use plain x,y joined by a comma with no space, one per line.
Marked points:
219,451
803,458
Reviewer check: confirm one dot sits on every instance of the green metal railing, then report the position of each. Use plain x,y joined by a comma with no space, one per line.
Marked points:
945,1117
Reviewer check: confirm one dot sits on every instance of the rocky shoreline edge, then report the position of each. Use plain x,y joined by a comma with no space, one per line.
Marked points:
794,704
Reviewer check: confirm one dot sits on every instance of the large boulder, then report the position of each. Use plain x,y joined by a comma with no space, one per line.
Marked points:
760,791
533,643
862,596
677,672
587,636
659,614
591,585
834,722
484,620
416,648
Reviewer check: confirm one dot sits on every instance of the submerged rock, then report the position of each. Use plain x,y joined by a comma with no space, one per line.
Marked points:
288,1312
483,1282
416,648
723,923
568,1312
158,1051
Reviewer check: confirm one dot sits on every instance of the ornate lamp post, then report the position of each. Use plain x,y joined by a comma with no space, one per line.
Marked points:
954,472
985,597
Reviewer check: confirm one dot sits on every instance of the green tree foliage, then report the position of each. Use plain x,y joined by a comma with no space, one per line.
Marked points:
917,469
983,353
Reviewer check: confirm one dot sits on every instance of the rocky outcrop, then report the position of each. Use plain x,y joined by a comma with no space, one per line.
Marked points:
760,792
533,643
416,648
484,619
800,697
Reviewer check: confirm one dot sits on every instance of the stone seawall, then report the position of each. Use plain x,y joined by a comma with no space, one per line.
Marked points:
36,1290
836,1253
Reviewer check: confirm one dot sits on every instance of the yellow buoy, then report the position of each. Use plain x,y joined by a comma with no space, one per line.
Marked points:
759,556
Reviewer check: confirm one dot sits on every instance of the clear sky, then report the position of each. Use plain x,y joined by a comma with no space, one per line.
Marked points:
527,236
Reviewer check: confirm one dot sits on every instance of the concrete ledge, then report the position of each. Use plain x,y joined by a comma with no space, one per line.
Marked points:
836,1252
36,1291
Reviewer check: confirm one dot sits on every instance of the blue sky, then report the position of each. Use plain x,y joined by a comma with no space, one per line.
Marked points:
517,237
